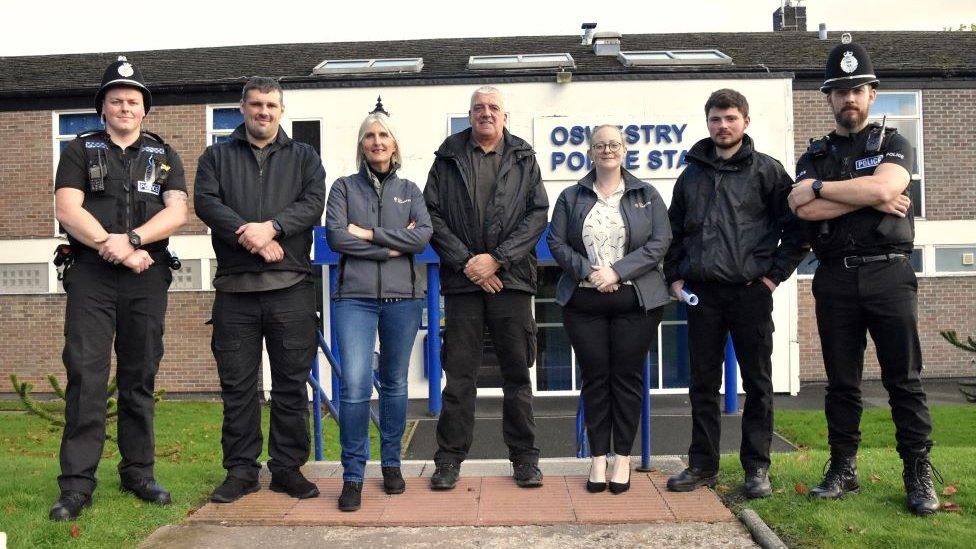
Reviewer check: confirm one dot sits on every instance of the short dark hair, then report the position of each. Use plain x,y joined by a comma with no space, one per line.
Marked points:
726,99
264,85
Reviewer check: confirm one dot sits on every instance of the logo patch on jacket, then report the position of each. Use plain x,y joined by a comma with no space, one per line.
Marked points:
147,187
154,150
96,145
399,200
640,204
868,162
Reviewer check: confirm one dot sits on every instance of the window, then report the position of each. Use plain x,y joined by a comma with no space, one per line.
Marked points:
221,123
457,123
24,278
955,259
70,124
188,277
901,110
676,57
309,132
360,66
809,264
528,61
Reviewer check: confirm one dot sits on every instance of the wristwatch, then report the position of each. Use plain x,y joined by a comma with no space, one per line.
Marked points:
134,239
277,227
817,186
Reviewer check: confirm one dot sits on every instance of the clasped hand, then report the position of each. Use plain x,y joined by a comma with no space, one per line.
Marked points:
604,278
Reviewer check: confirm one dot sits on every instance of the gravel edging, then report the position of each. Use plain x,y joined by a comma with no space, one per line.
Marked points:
761,532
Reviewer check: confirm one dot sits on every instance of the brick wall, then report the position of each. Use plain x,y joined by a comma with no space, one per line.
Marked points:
183,127
187,366
943,304
949,139
26,175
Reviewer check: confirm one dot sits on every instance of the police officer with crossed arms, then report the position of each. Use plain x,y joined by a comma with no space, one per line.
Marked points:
119,194
851,186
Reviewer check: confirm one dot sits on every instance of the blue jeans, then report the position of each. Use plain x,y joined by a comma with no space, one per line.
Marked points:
357,323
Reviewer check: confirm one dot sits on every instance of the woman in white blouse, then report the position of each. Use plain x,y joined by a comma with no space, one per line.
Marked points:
609,234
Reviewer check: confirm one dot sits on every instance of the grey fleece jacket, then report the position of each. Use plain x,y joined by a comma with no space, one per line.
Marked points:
365,268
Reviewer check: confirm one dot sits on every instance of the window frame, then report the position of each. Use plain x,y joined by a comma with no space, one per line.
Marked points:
919,138
935,272
56,139
211,132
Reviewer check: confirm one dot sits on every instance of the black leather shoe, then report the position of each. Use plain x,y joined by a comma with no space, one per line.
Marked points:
293,483
233,489
445,476
922,499
527,475
69,505
757,483
351,497
146,489
393,482
839,479
692,478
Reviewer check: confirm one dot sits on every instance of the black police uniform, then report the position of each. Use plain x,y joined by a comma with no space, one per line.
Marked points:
864,282
123,189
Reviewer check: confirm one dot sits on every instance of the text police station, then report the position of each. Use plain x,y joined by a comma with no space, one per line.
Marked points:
654,135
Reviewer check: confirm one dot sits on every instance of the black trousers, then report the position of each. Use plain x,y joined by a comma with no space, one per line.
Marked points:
105,302
745,311
611,335
285,320
508,316
881,299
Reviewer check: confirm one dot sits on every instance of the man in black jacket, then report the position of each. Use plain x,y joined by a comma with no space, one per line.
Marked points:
735,240
260,193
488,207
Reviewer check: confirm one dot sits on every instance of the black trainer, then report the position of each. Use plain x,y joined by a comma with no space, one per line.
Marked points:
839,479
917,474
146,489
69,505
351,497
757,483
527,475
293,483
393,482
445,476
691,478
233,489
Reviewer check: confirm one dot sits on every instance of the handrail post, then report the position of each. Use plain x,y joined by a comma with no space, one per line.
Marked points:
645,464
731,378
433,340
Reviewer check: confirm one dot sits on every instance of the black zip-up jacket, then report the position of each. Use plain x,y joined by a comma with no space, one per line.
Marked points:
648,235
514,219
730,220
366,269
231,190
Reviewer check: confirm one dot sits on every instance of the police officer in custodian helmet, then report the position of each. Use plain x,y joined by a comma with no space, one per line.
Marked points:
852,188
119,194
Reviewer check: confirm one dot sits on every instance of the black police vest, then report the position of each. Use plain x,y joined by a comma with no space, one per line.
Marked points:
123,194
866,230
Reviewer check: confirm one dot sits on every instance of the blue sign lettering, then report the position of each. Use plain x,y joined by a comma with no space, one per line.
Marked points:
654,160
559,136
557,159
632,134
631,162
576,161
679,132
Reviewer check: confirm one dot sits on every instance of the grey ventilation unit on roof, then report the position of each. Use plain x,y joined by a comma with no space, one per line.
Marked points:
527,61
673,57
363,66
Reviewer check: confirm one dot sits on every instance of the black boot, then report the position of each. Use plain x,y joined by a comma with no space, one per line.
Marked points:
840,478
351,496
393,482
922,499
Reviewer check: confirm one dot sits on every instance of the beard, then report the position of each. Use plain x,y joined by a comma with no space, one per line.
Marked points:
726,144
850,118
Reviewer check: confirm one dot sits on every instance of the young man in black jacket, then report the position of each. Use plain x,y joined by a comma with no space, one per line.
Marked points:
260,193
488,208
735,240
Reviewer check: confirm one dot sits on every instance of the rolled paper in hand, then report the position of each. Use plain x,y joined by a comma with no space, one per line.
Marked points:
688,297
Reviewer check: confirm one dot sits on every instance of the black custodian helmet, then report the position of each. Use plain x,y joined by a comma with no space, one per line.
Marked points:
122,73
848,67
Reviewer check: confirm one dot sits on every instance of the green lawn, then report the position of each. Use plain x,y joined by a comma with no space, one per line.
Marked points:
877,517
29,469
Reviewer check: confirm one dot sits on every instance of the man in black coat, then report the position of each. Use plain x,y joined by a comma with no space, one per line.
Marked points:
735,240
260,193
488,207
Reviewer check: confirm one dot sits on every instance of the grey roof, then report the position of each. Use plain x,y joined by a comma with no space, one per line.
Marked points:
901,54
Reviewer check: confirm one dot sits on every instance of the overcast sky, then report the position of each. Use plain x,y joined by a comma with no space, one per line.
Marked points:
46,27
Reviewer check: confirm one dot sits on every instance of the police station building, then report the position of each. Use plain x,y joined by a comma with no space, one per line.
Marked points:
557,88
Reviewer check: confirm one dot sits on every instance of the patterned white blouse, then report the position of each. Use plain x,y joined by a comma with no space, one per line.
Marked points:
604,232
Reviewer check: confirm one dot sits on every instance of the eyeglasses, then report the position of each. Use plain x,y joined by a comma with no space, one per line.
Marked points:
614,146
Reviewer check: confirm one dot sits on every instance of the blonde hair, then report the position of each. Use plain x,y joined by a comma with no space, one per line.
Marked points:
384,121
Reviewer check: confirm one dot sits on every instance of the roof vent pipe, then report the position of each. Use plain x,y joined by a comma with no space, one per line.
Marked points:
822,34
588,29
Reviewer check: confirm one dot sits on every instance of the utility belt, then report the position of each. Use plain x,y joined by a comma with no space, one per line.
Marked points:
855,261
65,256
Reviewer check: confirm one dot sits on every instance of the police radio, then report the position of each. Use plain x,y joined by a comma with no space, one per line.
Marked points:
63,258
876,137
97,170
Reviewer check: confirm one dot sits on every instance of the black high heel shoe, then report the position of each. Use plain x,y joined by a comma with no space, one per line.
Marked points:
595,487
621,487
